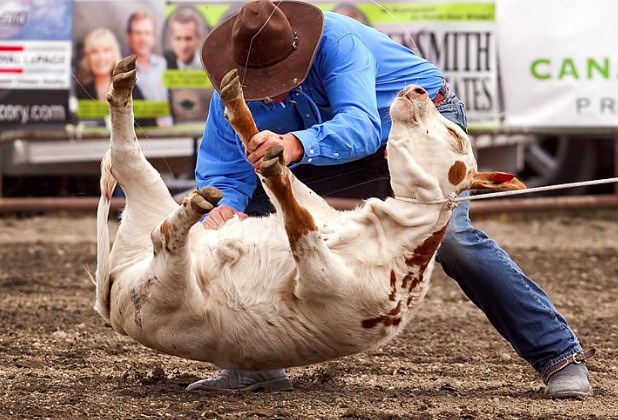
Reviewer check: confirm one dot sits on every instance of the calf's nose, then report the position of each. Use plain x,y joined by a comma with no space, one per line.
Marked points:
413,92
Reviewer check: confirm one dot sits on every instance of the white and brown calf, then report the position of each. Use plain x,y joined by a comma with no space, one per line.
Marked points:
304,285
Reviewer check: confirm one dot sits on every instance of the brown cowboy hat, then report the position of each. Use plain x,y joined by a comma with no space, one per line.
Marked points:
272,44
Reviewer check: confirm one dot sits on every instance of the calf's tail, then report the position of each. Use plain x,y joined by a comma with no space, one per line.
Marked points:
102,276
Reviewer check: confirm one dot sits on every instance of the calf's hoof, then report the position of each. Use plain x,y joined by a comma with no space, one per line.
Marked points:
124,75
205,199
230,86
273,161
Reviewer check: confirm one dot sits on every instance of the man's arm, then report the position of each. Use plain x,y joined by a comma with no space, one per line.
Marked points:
348,71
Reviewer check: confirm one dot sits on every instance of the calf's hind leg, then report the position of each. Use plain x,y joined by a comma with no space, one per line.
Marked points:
129,166
171,263
321,272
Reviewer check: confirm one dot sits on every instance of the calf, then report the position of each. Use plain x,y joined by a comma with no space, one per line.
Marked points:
300,286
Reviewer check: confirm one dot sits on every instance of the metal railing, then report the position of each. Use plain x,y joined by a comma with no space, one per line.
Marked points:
89,204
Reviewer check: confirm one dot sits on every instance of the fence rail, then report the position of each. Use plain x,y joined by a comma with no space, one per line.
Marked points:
89,204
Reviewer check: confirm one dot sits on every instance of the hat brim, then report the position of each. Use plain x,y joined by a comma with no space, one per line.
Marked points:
307,21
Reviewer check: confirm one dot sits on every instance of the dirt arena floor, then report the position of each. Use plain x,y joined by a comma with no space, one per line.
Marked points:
58,360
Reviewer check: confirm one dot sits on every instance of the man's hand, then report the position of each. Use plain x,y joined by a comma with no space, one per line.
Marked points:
293,149
219,215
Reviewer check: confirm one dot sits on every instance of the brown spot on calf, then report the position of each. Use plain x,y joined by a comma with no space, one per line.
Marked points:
393,286
457,173
242,120
166,233
388,321
421,258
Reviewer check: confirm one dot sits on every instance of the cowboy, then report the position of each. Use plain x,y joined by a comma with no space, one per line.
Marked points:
320,84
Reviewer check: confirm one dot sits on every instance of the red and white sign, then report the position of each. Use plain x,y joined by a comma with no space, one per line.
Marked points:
35,65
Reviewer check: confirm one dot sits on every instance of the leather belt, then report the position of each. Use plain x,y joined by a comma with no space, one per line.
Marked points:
576,358
442,94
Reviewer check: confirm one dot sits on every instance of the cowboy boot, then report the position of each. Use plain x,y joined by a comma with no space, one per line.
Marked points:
573,381
243,381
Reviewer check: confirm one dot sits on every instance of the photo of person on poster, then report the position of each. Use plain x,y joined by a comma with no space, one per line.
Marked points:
189,88
351,10
186,30
141,30
98,47
101,52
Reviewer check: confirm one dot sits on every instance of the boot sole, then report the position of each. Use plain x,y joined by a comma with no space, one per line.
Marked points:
283,384
569,394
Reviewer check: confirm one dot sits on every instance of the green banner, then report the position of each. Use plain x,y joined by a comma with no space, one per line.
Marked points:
385,13
213,13
90,108
150,109
186,79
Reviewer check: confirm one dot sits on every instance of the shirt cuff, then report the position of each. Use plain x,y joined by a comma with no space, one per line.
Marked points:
310,144
235,202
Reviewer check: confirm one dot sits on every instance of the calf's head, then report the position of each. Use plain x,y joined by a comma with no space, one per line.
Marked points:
429,156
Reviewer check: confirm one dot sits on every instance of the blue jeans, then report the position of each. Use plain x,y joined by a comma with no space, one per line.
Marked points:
517,308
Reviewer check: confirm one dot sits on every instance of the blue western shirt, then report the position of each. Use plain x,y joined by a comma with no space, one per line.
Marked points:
340,113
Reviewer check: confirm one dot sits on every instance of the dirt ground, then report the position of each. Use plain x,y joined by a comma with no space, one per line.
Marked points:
58,359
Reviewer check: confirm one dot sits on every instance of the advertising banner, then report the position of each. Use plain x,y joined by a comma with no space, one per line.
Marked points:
460,38
172,88
36,53
559,62
106,31
35,61
186,25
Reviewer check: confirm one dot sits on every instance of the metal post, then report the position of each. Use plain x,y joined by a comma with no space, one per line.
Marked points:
1,171
616,161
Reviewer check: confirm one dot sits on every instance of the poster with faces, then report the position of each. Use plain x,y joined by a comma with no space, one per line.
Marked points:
103,33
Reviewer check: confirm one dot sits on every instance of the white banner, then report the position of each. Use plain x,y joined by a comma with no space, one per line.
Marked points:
559,62
35,64
457,36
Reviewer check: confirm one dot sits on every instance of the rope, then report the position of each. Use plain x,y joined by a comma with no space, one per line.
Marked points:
453,200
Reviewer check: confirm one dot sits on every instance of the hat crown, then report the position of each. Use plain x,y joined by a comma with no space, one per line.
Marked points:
261,35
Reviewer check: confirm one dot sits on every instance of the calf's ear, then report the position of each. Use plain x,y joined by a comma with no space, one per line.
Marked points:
458,142
495,181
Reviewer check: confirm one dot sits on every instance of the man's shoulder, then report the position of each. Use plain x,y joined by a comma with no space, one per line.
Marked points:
337,27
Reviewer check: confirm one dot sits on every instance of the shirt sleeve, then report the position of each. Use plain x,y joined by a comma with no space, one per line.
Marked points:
348,71
221,162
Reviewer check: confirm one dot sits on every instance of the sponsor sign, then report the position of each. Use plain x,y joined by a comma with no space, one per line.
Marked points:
190,90
172,88
460,38
559,62
106,31
35,61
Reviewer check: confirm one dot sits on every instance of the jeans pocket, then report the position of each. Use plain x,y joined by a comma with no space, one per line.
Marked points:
453,109
461,111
